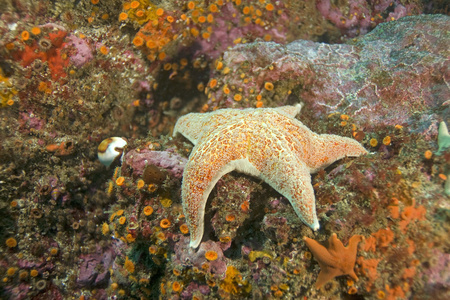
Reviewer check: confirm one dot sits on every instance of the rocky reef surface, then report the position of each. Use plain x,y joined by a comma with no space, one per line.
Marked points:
74,73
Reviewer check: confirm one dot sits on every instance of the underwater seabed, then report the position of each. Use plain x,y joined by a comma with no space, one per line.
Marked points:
91,177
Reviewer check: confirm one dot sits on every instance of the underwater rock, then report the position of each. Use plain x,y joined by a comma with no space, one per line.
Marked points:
89,274
386,77
170,161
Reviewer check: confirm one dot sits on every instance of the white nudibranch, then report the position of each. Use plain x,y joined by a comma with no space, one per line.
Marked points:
111,149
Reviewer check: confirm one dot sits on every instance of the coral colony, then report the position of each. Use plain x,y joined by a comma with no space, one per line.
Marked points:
156,149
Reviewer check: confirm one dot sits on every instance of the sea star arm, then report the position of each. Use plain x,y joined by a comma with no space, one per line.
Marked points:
201,174
191,126
326,274
289,110
291,177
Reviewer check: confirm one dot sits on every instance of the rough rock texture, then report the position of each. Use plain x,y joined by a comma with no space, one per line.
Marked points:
387,77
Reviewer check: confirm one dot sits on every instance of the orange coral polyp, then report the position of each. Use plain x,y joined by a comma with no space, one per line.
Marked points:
211,255
35,30
184,229
152,249
213,8
135,4
148,210
25,35
268,86
230,218
123,16
165,223
381,294
176,286
270,7
151,44
161,56
138,41
206,35
159,12
120,181
104,50
213,83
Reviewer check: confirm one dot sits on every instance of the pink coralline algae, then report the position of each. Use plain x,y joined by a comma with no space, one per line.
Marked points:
170,161
82,52
30,121
198,259
224,36
359,16
193,287
384,77
90,274
438,275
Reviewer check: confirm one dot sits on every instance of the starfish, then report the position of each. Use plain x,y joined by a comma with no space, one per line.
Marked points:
335,260
268,143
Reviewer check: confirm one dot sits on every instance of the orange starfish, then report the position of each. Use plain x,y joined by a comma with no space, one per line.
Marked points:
334,260
269,143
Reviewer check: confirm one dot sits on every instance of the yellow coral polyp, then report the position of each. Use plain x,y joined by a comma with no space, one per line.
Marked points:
233,283
253,255
129,265
140,184
11,242
11,271
54,251
130,238
166,202
105,228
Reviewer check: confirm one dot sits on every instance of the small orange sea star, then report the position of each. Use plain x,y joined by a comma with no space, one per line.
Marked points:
334,260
